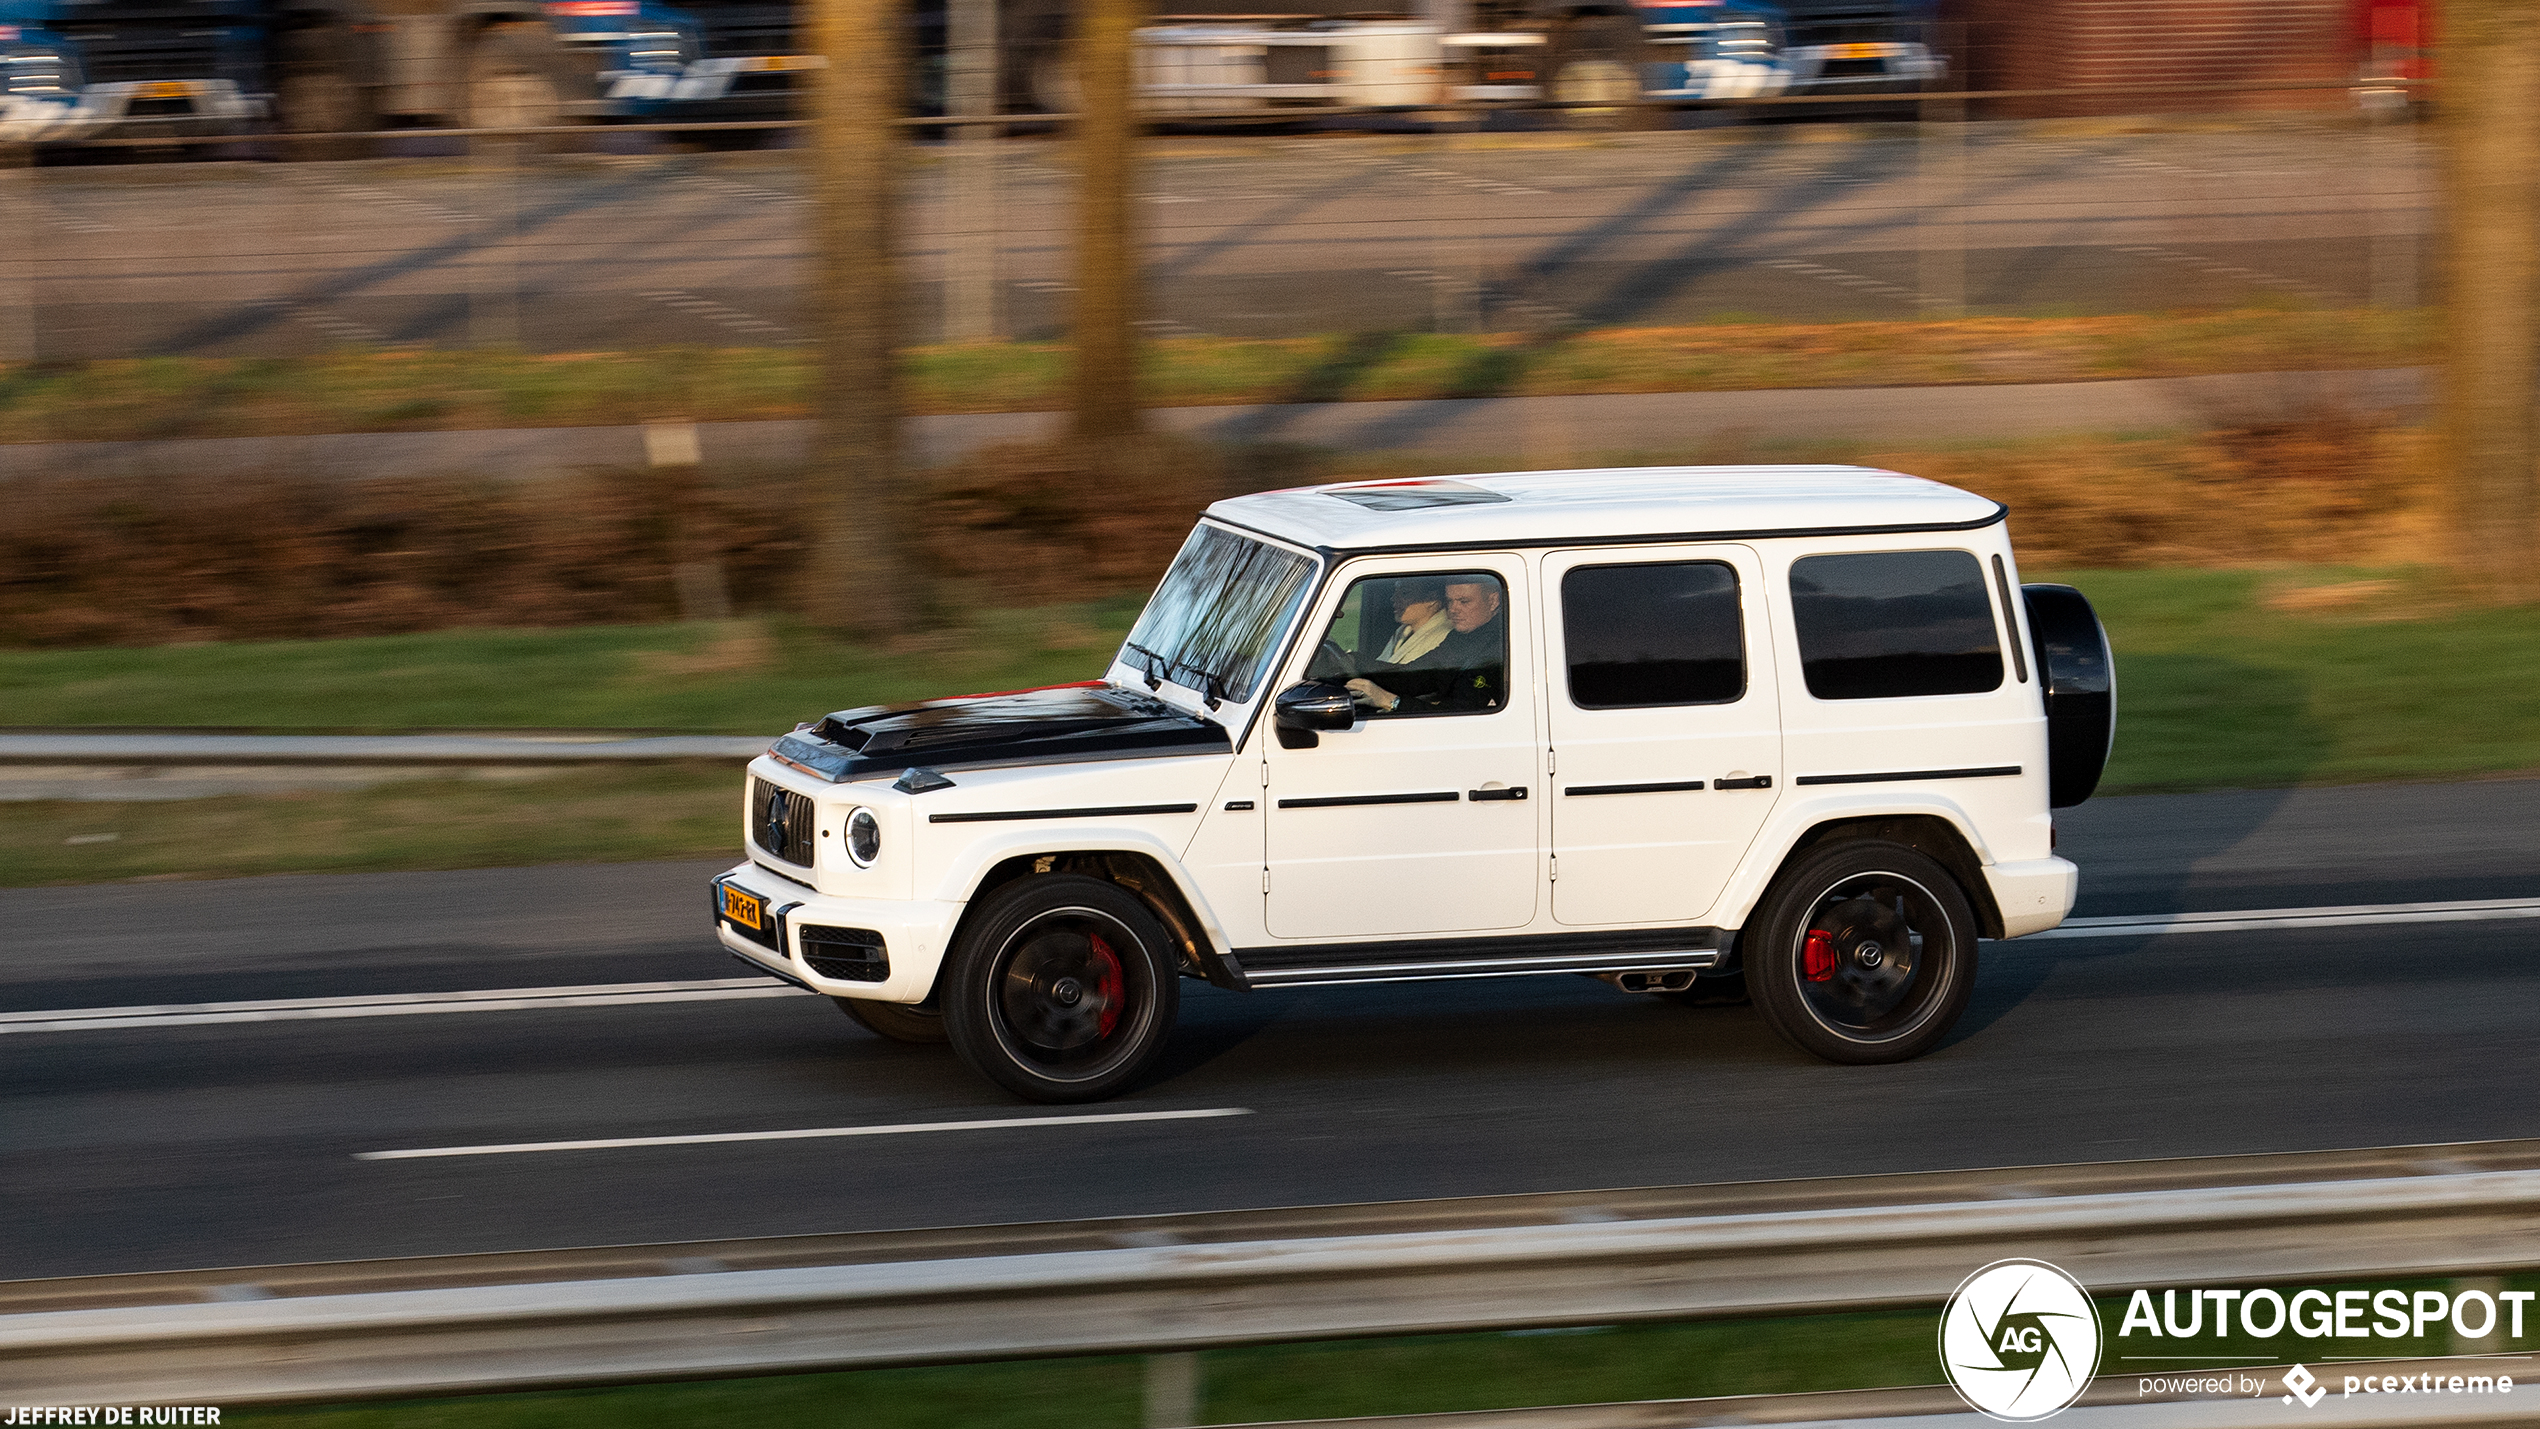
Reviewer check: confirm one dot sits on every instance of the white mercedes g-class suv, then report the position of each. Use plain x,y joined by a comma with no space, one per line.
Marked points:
1669,727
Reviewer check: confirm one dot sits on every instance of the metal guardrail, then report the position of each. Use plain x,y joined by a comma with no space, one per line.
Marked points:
1357,1272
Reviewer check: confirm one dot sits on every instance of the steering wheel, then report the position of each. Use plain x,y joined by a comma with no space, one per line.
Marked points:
1330,662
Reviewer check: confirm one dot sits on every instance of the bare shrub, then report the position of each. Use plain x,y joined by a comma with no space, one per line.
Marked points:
1067,521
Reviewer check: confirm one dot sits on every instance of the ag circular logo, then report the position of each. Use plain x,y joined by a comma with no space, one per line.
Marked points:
2019,1341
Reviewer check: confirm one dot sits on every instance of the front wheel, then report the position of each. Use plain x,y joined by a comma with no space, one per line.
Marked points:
1863,951
1061,989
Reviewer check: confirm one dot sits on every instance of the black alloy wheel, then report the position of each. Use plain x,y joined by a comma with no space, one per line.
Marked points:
919,1024
1863,952
1061,989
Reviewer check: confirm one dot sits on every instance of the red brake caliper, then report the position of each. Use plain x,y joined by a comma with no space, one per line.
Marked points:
1108,985
1816,957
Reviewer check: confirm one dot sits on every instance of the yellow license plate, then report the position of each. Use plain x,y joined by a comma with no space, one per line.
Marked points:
744,908
167,89
786,62
1859,52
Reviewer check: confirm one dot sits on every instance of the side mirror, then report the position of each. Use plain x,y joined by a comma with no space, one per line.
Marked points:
1303,709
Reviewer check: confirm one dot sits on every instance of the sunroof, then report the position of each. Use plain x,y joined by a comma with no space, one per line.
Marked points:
1415,495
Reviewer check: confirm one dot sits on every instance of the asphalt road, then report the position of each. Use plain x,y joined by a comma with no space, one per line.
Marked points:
1319,234
167,1147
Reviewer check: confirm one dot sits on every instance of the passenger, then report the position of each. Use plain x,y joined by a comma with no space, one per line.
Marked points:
1420,620
1468,670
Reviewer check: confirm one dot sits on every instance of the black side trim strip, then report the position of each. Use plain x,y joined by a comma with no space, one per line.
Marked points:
1006,815
1582,790
1899,776
1338,801
1658,943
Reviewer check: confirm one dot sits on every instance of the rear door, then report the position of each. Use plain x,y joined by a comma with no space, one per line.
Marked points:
1665,728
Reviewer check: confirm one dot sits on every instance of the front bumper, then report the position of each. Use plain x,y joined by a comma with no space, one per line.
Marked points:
913,934
2033,894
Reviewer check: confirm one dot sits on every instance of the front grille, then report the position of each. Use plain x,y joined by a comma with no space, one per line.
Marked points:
780,833
847,954
738,30
160,42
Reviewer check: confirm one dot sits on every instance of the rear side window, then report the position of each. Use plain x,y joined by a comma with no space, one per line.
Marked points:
1885,625
1653,635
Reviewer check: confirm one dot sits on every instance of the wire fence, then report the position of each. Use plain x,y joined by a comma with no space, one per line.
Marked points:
1397,221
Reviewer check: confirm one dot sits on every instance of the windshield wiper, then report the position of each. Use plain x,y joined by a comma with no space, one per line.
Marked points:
1156,664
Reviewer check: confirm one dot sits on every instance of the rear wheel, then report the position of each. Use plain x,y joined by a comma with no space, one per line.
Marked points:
1061,989
921,1024
317,91
1863,951
1596,64
519,77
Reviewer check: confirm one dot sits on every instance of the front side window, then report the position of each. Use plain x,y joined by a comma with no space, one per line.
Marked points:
1211,623
1886,625
1427,644
1637,636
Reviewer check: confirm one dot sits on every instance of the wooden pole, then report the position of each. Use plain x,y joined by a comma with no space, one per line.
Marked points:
860,578
1106,385
2489,106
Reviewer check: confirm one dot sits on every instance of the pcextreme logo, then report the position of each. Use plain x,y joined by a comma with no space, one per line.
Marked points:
2019,1341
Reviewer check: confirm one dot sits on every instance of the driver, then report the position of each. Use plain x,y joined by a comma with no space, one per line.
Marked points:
1468,669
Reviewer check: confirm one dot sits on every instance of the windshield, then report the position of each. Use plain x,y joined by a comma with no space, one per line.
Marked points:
1210,625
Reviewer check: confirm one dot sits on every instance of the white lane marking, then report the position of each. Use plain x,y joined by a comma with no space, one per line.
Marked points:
1855,281
805,1134
728,317
2472,910
2225,270
305,1009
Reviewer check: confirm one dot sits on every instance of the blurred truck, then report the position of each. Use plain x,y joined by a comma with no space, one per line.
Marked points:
81,69
1865,47
1309,54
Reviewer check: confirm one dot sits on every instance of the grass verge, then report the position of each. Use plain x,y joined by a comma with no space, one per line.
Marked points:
1411,1376
171,397
2260,678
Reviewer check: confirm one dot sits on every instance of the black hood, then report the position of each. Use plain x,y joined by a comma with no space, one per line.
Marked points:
1067,724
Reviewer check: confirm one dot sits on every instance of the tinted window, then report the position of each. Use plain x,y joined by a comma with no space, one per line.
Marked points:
1653,635
1422,644
1888,624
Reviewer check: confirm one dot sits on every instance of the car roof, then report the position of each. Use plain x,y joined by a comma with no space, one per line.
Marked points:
1605,506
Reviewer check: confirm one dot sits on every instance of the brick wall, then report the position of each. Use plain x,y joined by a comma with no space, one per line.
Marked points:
2047,44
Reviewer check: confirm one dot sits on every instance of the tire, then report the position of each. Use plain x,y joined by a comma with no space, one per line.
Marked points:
1895,969
318,90
919,1025
519,77
1598,58
1032,63
1061,989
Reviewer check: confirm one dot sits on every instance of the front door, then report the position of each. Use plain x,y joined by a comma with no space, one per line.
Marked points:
1422,817
1666,728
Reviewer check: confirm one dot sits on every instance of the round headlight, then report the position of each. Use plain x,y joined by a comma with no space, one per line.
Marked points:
864,837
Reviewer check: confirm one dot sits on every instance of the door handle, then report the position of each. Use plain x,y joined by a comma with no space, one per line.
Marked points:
1485,796
1760,781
